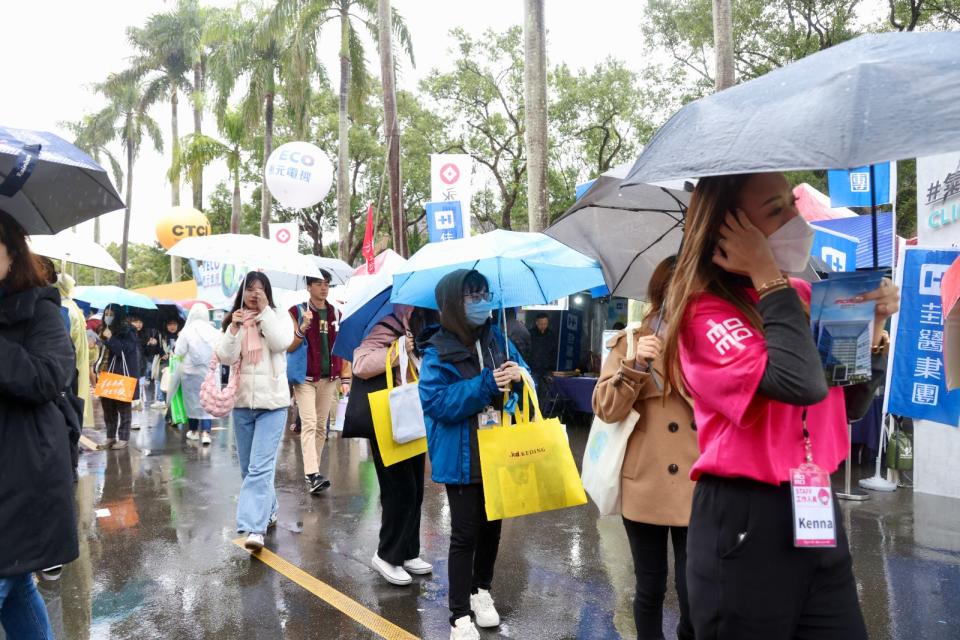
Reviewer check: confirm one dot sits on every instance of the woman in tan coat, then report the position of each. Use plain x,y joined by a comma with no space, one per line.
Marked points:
656,490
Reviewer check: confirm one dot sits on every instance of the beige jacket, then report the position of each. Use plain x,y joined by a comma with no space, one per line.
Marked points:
655,479
264,385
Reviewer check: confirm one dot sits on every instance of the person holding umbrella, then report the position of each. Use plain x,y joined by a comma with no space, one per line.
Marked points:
257,337
38,527
467,367
401,484
119,354
739,343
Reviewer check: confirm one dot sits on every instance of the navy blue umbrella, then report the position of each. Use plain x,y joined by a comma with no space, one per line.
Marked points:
48,184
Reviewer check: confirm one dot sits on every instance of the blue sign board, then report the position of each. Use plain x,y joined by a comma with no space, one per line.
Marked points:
918,387
837,250
851,187
571,332
444,221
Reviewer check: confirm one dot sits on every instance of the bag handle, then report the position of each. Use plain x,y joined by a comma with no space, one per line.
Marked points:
528,399
406,363
389,365
123,358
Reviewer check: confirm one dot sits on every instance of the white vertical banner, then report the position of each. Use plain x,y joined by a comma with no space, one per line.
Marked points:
286,234
451,177
938,200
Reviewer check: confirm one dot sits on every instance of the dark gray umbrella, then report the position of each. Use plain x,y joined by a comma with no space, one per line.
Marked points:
628,230
48,184
869,100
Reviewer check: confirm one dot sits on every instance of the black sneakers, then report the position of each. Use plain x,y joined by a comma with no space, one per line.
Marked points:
317,483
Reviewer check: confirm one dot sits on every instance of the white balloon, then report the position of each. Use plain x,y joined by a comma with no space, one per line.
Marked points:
299,174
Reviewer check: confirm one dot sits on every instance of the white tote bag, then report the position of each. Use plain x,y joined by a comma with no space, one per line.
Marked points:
406,414
603,461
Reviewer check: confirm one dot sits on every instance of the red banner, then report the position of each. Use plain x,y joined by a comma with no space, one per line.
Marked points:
368,252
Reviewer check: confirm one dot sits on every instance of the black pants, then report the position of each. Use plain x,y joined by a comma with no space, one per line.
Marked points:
747,580
474,542
648,546
401,496
117,415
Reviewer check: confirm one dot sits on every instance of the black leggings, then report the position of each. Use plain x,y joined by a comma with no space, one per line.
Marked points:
648,546
401,497
747,580
117,416
474,542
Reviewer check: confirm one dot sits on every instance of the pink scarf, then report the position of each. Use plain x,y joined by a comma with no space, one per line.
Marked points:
252,347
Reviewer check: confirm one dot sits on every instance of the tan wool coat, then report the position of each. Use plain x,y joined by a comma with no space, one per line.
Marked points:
655,479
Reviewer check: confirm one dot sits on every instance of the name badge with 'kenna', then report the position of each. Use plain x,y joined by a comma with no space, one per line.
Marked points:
814,524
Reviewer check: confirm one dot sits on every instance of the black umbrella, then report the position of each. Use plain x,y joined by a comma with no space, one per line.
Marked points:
628,230
872,99
48,184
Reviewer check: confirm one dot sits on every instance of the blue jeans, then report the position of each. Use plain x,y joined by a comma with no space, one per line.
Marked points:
22,612
258,433
203,424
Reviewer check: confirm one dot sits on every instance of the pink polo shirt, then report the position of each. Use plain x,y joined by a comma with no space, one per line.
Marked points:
741,433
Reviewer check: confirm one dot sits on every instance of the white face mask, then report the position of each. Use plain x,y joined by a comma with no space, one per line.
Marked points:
791,245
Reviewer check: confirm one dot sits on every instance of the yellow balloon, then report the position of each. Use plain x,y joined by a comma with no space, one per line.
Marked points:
179,223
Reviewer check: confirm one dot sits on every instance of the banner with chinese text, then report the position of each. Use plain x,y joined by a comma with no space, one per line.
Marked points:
916,380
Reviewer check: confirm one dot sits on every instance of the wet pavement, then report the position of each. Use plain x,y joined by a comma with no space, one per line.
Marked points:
163,564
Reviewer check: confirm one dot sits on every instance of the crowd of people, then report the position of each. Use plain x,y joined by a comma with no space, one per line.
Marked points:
721,386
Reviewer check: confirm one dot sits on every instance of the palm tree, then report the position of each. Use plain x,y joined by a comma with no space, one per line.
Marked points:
199,150
310,16
127,114
93,136
535,111
723,44
260,52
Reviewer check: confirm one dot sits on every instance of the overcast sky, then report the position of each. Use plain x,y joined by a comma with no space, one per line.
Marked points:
64,46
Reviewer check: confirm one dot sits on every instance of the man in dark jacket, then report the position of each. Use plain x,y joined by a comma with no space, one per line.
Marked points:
37,516
543,350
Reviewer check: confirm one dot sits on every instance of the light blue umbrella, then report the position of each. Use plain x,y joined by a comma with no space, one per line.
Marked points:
100,297
522,269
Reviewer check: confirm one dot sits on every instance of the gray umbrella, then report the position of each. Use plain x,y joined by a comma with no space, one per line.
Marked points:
628,230
48,184
869,100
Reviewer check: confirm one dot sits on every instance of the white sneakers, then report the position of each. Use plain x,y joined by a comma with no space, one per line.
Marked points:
464,629
193,435
418,567
392,574
483,609
205,438
254,542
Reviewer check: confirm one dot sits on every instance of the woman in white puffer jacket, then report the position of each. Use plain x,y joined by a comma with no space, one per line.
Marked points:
258,336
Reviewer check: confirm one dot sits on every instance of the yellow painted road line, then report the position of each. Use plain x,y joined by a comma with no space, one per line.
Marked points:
356,611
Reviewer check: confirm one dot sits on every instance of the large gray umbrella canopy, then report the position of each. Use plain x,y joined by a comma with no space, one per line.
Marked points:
873,99
628,230
48,184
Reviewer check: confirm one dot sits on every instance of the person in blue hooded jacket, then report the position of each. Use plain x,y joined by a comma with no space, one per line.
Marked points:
467,367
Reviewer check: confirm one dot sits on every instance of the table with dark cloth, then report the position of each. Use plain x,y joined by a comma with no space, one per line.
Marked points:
867,430
578,391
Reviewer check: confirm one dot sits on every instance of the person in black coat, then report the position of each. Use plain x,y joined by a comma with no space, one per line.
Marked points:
121,355
37,516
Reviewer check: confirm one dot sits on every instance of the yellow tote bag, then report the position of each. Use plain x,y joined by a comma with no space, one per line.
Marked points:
528,468
390,451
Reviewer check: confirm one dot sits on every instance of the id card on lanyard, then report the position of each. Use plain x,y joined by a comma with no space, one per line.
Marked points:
814,522
490,416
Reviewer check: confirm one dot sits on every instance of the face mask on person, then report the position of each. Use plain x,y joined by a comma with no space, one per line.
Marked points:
477,313
791,244
108,320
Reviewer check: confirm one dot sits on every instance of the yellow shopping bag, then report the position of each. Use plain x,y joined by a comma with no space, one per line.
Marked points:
390,451
528,468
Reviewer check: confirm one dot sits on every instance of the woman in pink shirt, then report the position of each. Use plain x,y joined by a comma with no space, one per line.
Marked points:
739,342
